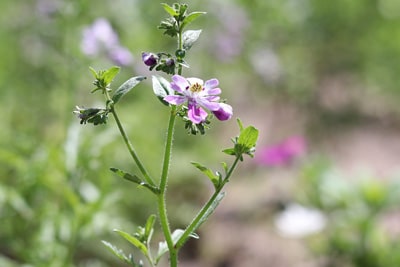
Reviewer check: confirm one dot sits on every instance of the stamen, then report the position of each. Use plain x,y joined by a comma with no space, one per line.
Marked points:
196,87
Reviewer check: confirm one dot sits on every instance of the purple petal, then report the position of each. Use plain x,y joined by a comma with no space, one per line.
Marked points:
211,84
214,91
224,112
179,83
196,114
175,99
213,106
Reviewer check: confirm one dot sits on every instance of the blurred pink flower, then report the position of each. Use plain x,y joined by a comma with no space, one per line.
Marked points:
282,153
100,37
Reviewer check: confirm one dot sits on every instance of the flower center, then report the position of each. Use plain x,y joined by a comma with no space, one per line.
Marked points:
195,88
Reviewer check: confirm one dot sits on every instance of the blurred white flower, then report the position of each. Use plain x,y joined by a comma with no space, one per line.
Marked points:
298,221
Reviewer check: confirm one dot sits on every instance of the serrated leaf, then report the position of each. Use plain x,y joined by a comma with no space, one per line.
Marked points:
161,88
126,87
190,18
109,75
170,10
116,251
213,178
189,38
133,240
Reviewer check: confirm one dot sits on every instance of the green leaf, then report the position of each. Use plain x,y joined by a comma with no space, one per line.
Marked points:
161,88
170,10
210,210
94,72
230,151
109,75
213,178
189,37
148,230
117,252
225,166
135,179
127,176
133,240
176,235
207,214
248,137
240,124
190,18
126,87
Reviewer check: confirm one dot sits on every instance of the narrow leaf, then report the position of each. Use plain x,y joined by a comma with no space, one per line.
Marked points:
213,178
94,72
127,176
126,87
189,38
117,252
190,18
149,227
205,216
133,240
170,10
225,166
210,210
240,124
161,88
108,75
229,151
135,179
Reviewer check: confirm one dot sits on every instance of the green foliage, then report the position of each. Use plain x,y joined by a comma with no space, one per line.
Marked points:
161,88
245,143
135,179
126,87
189,38
355,210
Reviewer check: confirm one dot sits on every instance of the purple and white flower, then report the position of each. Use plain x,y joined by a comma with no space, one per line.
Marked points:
199,95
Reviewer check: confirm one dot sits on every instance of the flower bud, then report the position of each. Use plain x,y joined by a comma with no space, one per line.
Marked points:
224,112
149,59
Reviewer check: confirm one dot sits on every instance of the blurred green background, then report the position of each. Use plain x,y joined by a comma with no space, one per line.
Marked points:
324,70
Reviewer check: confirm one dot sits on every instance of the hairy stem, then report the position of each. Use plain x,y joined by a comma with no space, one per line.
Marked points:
162,209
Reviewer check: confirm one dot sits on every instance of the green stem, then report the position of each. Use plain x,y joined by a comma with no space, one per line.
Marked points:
131,149
162,209
162,206
194,224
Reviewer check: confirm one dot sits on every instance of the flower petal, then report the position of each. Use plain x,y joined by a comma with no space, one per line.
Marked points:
179,83
213,106
175,99
211,83
196,114
212,91
195,80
